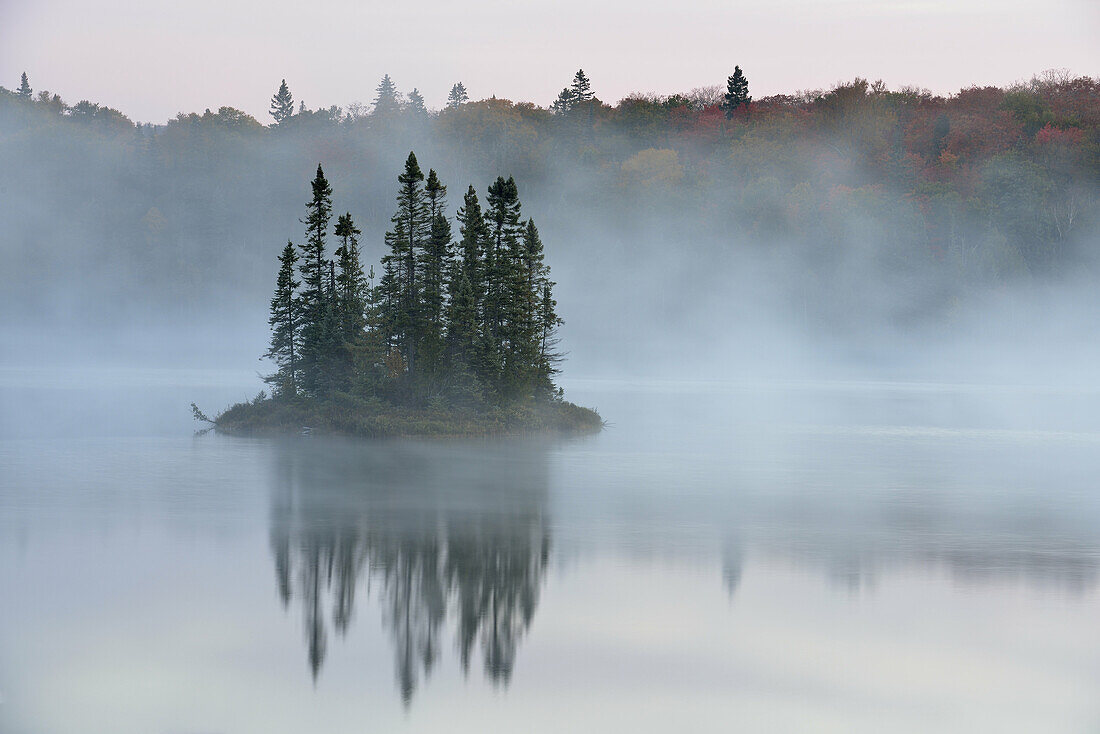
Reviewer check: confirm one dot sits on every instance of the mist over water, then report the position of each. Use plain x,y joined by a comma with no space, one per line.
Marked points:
870,554
848,483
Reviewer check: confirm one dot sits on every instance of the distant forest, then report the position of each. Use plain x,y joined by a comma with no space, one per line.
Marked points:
919,194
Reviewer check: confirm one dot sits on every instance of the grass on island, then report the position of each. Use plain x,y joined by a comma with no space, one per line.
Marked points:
345,414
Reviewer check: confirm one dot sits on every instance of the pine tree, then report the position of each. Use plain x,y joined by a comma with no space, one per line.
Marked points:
315,295
435,265
737,92
502,216
465,283
416,103
282,104
581,88
458,96
351,290
285,320
402,283
387,100
565,101
24,90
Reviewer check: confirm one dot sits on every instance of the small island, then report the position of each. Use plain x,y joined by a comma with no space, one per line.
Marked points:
455,339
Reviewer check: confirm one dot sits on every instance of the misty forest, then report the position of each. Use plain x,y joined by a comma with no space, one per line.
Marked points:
836,213
832,461
436,330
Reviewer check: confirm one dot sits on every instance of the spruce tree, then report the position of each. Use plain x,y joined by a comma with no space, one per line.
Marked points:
387,101
315,271
737,92
282,104
565,101
351,290
285,320
502,216
416,103
435,265
402,281
465,283
458,96
24,90
581,88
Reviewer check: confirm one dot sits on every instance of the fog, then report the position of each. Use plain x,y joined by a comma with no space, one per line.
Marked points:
157,247
847,481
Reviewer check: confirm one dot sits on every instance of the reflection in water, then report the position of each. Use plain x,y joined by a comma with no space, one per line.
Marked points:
432,533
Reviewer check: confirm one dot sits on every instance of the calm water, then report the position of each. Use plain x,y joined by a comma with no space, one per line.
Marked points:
850,557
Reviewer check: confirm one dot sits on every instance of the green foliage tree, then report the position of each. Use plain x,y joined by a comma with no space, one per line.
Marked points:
502,217
737,92
457,96
402,283
416,103
351,288
387,100
581,88
315,296
435,264
282,104
285,321
24,90
564,102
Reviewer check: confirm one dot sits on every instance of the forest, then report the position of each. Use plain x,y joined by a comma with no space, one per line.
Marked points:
881,208
456,337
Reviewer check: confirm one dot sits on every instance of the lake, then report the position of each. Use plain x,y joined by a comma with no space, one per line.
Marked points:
780,557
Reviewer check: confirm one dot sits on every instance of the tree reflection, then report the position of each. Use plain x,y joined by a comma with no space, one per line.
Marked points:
443,538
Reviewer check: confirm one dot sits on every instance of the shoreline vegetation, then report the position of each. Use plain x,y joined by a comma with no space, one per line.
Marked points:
454,338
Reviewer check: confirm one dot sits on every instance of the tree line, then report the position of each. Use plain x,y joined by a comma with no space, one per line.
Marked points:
470,322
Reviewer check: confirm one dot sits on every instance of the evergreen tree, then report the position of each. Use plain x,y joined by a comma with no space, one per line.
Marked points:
351,290
416,103
402,283
458,96
285,320
282,104
387,100
737,92
581,88
24,90
502,215
565,101
465,287
435,265
315,299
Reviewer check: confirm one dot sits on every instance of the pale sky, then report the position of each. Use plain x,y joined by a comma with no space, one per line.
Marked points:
154,58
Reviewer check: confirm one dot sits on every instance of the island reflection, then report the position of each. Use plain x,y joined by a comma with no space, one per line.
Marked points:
442,537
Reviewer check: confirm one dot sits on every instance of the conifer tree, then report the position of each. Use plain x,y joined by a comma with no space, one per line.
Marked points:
282,104
435,265
502,216
24,90
416,103
387,100
465,284
581,88
351,290
737,92
285,320
402,282
315,270
458,96
565,101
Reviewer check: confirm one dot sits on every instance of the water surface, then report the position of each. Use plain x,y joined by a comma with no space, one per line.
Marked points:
771,557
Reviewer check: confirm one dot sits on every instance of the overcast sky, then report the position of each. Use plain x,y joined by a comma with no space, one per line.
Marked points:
154,58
